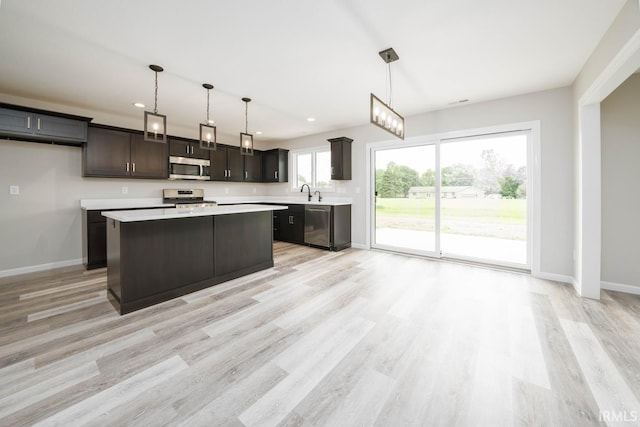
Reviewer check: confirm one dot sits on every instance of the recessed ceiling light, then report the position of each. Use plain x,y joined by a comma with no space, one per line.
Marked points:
259,132
311,119
138,104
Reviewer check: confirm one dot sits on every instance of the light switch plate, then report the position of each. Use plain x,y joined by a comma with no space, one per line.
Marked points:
14,190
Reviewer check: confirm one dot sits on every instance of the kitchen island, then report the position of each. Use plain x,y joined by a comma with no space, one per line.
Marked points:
154,255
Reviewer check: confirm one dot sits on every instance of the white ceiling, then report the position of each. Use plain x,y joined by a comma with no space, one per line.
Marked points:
295,59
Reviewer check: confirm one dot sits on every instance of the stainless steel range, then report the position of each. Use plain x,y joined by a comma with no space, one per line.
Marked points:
191,198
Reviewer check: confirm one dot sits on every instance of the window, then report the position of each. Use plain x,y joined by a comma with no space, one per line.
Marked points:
312,167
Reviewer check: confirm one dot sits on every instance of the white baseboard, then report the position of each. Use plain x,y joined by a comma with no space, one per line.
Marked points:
563,278
620,287
40,267
359,246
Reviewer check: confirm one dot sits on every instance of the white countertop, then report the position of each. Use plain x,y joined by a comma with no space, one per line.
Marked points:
100,204
171,213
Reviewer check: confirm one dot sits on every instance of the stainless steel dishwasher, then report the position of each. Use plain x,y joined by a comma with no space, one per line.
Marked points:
317,225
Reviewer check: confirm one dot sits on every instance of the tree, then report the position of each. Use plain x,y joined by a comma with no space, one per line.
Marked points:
396,180
458,174
509,187
428,178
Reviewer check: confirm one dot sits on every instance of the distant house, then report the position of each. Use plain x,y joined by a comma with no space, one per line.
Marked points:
446,192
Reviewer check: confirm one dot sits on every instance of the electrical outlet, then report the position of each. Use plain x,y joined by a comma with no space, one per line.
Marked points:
14,190
125,190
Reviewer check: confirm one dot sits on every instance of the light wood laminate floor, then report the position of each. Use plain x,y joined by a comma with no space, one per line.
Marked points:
353,338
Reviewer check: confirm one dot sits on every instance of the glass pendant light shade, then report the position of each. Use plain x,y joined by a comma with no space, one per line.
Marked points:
207,130
386,118
246,144
155,125
208,137
246,139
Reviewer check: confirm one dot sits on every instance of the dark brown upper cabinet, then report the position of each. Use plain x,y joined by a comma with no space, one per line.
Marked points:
227,164
340,158
275,165
22,123
118,153
187,148
253,167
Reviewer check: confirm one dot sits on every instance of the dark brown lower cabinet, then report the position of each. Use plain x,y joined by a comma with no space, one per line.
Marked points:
154,261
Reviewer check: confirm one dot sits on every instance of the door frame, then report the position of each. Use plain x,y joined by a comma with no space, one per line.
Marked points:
534,207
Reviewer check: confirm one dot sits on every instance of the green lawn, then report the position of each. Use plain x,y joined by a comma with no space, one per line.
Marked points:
504,218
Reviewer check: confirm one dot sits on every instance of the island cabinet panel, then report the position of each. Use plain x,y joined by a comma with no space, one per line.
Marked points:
243,242
153,261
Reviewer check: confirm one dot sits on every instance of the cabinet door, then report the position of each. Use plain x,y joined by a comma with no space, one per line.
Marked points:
60,128
275,164
97,244
341,158
253,167
235,164
15,122
219,164
199,153
149,159
179,148
106,153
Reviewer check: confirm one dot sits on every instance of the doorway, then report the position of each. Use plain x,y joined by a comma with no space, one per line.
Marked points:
463,197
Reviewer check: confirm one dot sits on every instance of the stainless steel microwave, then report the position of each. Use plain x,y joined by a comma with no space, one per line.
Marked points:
187,168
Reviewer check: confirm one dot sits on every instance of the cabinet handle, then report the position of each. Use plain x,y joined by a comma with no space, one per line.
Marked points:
38,121
127,166
275,174
187,149
134,166
192,149
290,219
228,173
28,122
246,174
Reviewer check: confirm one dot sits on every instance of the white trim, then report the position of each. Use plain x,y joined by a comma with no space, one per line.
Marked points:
534,214
293,167
620,287
40,267
562,278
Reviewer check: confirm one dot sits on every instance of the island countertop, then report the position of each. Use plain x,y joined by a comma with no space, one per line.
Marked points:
172,213
131,203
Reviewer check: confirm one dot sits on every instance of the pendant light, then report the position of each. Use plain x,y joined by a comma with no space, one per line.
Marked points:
155,125
381,114
246,139
207,131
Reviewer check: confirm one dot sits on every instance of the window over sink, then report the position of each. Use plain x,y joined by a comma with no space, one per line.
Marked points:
313,167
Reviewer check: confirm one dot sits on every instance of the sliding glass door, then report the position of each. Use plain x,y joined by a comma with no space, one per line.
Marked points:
462,198
405,199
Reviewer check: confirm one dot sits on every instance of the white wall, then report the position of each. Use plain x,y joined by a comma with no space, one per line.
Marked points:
620,176
615,58
552,108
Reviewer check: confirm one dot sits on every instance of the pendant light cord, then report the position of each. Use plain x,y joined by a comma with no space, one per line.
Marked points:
208,106
246,117
155,107
390,84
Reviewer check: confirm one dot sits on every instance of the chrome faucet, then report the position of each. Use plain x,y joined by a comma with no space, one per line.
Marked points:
319,195
308,191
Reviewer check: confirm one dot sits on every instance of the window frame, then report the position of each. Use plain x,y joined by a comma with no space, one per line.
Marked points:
293,167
